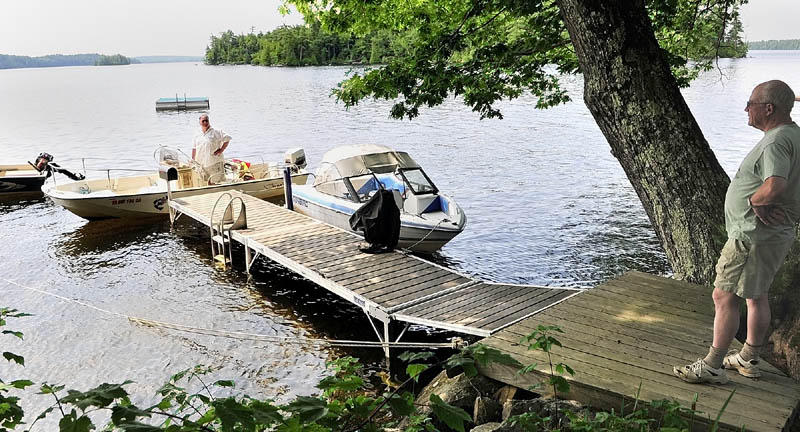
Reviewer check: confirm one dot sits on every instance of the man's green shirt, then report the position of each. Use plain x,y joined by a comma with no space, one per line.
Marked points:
777,154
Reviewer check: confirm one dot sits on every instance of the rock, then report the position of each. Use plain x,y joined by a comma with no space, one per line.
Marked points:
545,407
486,410
487,427
459,391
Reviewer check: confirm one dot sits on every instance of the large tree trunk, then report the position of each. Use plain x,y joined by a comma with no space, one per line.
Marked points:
635,100
637,104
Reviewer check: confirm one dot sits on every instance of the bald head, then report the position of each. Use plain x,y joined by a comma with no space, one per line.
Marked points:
777,93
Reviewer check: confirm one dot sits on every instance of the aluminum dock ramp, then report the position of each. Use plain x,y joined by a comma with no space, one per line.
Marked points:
392,286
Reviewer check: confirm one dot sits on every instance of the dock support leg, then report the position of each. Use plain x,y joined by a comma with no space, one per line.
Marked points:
247,257
386,338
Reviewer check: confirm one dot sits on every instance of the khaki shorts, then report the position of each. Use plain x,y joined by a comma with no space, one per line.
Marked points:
747,269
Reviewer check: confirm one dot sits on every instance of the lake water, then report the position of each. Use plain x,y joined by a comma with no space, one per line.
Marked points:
546,204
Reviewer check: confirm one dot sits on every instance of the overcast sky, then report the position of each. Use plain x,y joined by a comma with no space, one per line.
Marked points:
183,27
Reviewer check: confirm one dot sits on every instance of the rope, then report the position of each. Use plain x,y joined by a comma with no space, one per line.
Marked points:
424,237
456,343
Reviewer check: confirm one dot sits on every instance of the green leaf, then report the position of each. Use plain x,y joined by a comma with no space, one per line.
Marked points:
403,405
100,396
50,389
126,414
454,417
347,383
225,383
70,423
265,413
528,369
484,355
15,358
14,333
409,357
140,427
309,408
232,413
21,384
413,370
460,360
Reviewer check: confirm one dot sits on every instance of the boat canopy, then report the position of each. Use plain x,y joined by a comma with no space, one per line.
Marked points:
359,159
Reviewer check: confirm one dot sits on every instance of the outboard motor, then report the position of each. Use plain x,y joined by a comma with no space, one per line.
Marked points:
296,158
44,162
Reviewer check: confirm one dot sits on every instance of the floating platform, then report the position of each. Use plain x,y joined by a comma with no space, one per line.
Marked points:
630,332
182,103
393,286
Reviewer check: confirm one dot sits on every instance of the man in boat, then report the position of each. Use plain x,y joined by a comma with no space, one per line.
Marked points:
761,207
209,143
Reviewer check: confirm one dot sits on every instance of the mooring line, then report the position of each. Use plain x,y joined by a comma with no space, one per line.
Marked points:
456,343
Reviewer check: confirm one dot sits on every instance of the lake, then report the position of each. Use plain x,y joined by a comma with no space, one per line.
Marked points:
546,203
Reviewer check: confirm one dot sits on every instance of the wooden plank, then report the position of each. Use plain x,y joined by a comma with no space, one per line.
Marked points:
360,260
421,289
684,303
319,238
603,337
377,273
631,299
660,383
607,393
401,281
515,315
487,316
477,293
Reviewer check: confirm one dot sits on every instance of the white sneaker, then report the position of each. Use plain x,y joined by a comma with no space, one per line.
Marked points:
747,368
699,372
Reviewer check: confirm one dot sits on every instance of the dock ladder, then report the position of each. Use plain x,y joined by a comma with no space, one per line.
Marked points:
220,231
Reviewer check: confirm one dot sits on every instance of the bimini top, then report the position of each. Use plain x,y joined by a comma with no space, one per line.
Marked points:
358,159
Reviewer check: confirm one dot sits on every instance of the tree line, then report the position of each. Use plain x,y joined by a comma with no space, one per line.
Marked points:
788,44
306,46
56,60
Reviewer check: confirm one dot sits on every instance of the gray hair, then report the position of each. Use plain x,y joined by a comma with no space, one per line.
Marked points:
779,94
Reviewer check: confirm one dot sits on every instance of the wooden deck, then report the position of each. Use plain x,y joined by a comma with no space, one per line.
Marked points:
631,331
389,287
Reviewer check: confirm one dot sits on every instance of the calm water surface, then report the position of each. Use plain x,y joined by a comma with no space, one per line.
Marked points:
546,203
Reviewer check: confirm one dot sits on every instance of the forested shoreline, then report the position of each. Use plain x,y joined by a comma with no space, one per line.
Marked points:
788,44
305,46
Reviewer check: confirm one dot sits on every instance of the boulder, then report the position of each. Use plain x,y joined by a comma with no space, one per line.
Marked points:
545,407
487,427
459,391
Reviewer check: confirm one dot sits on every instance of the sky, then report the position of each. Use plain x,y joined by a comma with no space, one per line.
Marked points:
183,27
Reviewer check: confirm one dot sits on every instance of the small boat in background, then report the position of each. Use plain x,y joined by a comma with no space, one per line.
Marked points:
349,175
184,103
27,179
146,195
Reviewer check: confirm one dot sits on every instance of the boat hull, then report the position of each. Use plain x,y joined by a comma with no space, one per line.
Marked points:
155,203
20,180
414,236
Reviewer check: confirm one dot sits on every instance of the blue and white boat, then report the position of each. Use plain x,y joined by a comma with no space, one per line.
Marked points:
348,176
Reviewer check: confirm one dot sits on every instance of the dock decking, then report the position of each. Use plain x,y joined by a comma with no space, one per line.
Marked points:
391,286
632,330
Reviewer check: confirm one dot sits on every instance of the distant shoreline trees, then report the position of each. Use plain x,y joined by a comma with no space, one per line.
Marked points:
305,46
787,44
112,60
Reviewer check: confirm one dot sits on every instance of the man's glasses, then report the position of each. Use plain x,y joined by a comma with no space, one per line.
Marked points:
756,103
206,120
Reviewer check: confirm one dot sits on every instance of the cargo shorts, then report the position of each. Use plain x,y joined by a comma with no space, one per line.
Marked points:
748,269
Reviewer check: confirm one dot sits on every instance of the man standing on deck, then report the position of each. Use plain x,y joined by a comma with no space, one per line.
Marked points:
761,207
209,144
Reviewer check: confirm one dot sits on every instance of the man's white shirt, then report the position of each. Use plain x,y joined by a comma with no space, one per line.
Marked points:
206,143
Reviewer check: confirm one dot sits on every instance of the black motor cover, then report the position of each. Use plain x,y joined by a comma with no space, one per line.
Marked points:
380,219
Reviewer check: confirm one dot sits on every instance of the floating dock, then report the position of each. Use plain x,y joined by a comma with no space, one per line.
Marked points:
182,103
389,287
630,332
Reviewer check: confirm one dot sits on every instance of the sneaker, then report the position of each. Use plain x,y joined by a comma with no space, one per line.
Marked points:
699,372
746,368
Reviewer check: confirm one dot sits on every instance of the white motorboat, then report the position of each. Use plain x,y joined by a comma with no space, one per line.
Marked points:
146,195
349,175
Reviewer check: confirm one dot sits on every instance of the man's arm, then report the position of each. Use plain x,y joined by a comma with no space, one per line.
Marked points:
222,149
194,150
766,199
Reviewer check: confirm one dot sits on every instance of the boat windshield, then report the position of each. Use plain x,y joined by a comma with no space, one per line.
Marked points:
366,185
337,188
418,181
